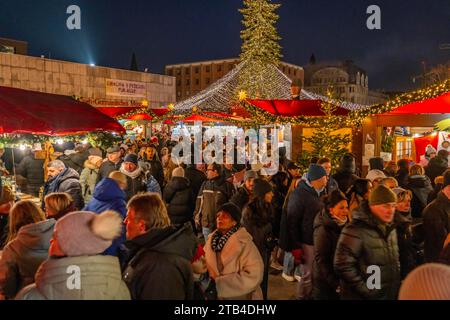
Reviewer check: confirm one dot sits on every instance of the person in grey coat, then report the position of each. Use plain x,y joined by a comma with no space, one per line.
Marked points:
76,270
88,177
27,249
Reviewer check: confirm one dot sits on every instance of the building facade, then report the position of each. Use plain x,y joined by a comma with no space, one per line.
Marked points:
191,78
347,81
98,86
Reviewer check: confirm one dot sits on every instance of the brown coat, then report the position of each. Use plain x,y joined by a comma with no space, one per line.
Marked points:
242,269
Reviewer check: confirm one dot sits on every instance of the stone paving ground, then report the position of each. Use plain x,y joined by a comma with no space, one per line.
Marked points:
280,289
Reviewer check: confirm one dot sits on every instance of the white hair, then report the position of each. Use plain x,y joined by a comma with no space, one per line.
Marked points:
58,164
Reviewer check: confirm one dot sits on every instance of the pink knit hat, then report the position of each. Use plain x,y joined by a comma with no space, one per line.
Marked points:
87,233
428,282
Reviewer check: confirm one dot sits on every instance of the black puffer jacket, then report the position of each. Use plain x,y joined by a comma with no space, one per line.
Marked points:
421,188
195,177
180,200
303,206
106,168
363,243
33,170
436,167
158,264
241,198
326,236
436,223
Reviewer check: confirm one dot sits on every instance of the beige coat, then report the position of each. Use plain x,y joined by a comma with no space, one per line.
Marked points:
242,269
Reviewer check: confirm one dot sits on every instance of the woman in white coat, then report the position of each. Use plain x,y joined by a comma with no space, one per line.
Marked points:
232,258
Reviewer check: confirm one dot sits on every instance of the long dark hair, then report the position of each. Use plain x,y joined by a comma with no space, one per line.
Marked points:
334,198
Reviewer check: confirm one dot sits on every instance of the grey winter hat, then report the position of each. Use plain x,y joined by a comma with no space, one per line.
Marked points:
85,233
250,174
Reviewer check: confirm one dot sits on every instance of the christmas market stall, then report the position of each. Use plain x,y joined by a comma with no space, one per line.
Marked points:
41,120
403,127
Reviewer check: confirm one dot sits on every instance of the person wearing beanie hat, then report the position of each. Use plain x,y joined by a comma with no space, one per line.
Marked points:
293,172
241,274
158,266
113,163
370,239
303,205
213,193
78,240
138,180
88,177
257,219
435,221
428,282
245,192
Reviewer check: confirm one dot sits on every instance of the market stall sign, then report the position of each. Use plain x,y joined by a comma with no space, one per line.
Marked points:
123,88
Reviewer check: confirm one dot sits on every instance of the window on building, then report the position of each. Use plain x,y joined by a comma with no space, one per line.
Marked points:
295,73
178,82
187,71
169,72
230,67
179,93
178,72
197,82
187,93
208,69
208,81
219,68
197,70
188,82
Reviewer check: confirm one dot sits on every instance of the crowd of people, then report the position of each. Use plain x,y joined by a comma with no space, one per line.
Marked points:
136,224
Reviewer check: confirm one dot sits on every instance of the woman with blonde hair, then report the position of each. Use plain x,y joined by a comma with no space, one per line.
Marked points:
57,205
27,247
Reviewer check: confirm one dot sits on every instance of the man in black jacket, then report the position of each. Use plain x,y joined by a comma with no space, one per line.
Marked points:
213,194
195,176
62,179
112,164
32,168
436,222
303,206
158,261
367,257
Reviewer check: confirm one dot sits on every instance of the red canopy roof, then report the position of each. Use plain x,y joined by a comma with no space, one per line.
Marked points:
438,105
290,108
23,111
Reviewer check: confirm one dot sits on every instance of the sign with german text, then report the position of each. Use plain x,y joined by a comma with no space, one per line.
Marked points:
122,88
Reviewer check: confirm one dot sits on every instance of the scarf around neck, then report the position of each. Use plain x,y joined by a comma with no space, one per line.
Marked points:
132,175
219,240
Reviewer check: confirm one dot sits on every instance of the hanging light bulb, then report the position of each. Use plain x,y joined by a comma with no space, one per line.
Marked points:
59,141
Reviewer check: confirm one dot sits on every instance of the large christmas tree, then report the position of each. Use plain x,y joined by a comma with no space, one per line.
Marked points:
261,50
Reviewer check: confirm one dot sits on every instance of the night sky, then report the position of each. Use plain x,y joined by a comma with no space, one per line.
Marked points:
175,31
